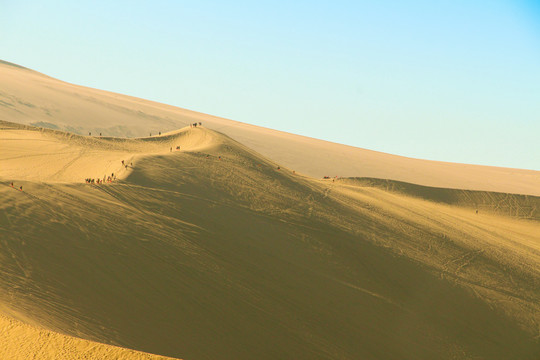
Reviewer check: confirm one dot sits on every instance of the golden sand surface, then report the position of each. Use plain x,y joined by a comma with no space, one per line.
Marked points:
214,251
19,341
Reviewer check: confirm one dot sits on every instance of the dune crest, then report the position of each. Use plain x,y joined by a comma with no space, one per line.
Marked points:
39,154
31,98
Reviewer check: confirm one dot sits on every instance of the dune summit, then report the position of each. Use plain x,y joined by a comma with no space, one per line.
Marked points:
214,251
31,98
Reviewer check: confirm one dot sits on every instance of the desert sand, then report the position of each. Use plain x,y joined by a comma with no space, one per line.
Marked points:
21,341
212,252
234,247
31,98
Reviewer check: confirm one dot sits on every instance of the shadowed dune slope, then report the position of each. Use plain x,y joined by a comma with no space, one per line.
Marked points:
211,252
29,97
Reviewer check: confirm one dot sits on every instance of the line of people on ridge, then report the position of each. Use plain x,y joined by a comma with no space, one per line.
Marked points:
106,179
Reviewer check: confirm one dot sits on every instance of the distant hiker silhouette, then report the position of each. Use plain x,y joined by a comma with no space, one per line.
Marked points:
20,188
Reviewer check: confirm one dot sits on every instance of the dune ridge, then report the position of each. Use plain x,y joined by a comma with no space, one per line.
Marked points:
29,97
216,251
515,205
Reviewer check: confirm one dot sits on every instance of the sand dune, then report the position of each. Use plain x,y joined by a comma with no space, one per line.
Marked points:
29,97
56,156
211,252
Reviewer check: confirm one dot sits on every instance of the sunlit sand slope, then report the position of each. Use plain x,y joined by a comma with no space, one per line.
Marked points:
214,253
35,154
19,341
29,97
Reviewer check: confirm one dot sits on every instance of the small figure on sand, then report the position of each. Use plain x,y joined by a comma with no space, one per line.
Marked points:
20,188
11,184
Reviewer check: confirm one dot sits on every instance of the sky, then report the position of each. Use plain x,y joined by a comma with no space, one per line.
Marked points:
452,80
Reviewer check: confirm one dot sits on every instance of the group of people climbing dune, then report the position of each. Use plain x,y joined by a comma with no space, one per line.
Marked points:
106,179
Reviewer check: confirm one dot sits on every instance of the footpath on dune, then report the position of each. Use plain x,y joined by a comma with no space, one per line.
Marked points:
214,252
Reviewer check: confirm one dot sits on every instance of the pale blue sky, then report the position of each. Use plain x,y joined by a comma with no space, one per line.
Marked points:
444,80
